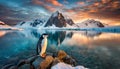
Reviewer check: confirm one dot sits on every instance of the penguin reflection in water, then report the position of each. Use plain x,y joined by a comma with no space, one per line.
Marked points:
42,45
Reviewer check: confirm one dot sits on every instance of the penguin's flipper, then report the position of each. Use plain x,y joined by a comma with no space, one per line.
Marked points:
38,47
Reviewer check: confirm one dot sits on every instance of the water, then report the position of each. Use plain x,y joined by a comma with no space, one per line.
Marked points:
95,50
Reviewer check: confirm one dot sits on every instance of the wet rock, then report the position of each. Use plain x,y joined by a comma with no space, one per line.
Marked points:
69,60
37,62
46,63
61,55
55,61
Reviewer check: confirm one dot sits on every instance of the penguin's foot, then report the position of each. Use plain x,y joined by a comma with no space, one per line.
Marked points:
43,55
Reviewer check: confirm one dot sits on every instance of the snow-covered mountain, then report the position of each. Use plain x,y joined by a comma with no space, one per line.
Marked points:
35,23
4,26
89,24
56,19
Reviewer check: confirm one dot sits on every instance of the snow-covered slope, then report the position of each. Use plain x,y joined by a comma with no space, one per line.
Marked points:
66,66
89,24
32,24
4,26
69,21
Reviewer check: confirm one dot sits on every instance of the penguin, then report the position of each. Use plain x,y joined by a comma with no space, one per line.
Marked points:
42,45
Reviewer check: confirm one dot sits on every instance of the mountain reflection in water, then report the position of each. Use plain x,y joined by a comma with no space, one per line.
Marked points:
94,50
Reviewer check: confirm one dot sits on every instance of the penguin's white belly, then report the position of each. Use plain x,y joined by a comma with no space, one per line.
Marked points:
43,46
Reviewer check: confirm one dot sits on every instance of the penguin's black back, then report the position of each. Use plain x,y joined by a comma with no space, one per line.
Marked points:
38,49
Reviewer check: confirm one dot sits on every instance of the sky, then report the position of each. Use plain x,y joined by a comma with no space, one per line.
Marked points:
15,11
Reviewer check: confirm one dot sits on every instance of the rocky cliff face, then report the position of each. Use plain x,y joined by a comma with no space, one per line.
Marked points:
56,19
70,21
37,22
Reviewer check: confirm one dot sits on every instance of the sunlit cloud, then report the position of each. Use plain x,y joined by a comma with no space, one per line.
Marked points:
107,11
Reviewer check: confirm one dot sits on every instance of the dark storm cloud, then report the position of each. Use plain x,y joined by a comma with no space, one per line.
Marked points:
13,11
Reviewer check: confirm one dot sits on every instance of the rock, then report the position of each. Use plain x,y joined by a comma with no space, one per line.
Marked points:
61,55
69,60
46,63
49,61
70,21
37,22
55,61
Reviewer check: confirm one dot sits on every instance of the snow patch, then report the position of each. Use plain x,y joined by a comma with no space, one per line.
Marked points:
55,14
66,66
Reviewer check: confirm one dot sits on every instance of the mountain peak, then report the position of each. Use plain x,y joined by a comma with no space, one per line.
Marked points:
56,19
56,11
55,14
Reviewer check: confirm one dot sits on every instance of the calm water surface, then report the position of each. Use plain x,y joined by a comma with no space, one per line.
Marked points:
95,50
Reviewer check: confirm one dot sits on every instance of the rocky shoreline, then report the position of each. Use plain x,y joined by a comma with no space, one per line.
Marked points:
61,60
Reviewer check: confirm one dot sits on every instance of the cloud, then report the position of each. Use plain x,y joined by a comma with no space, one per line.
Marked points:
106,10
49,5
79,10
106,1
81,3
54,2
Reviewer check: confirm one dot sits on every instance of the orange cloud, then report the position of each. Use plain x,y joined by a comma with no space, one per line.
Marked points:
96,4
37,2
105,1
41,3
81,3
69,10
54,2
115,4
50,8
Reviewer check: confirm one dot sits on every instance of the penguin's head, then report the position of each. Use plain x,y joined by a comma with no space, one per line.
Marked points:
45,35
